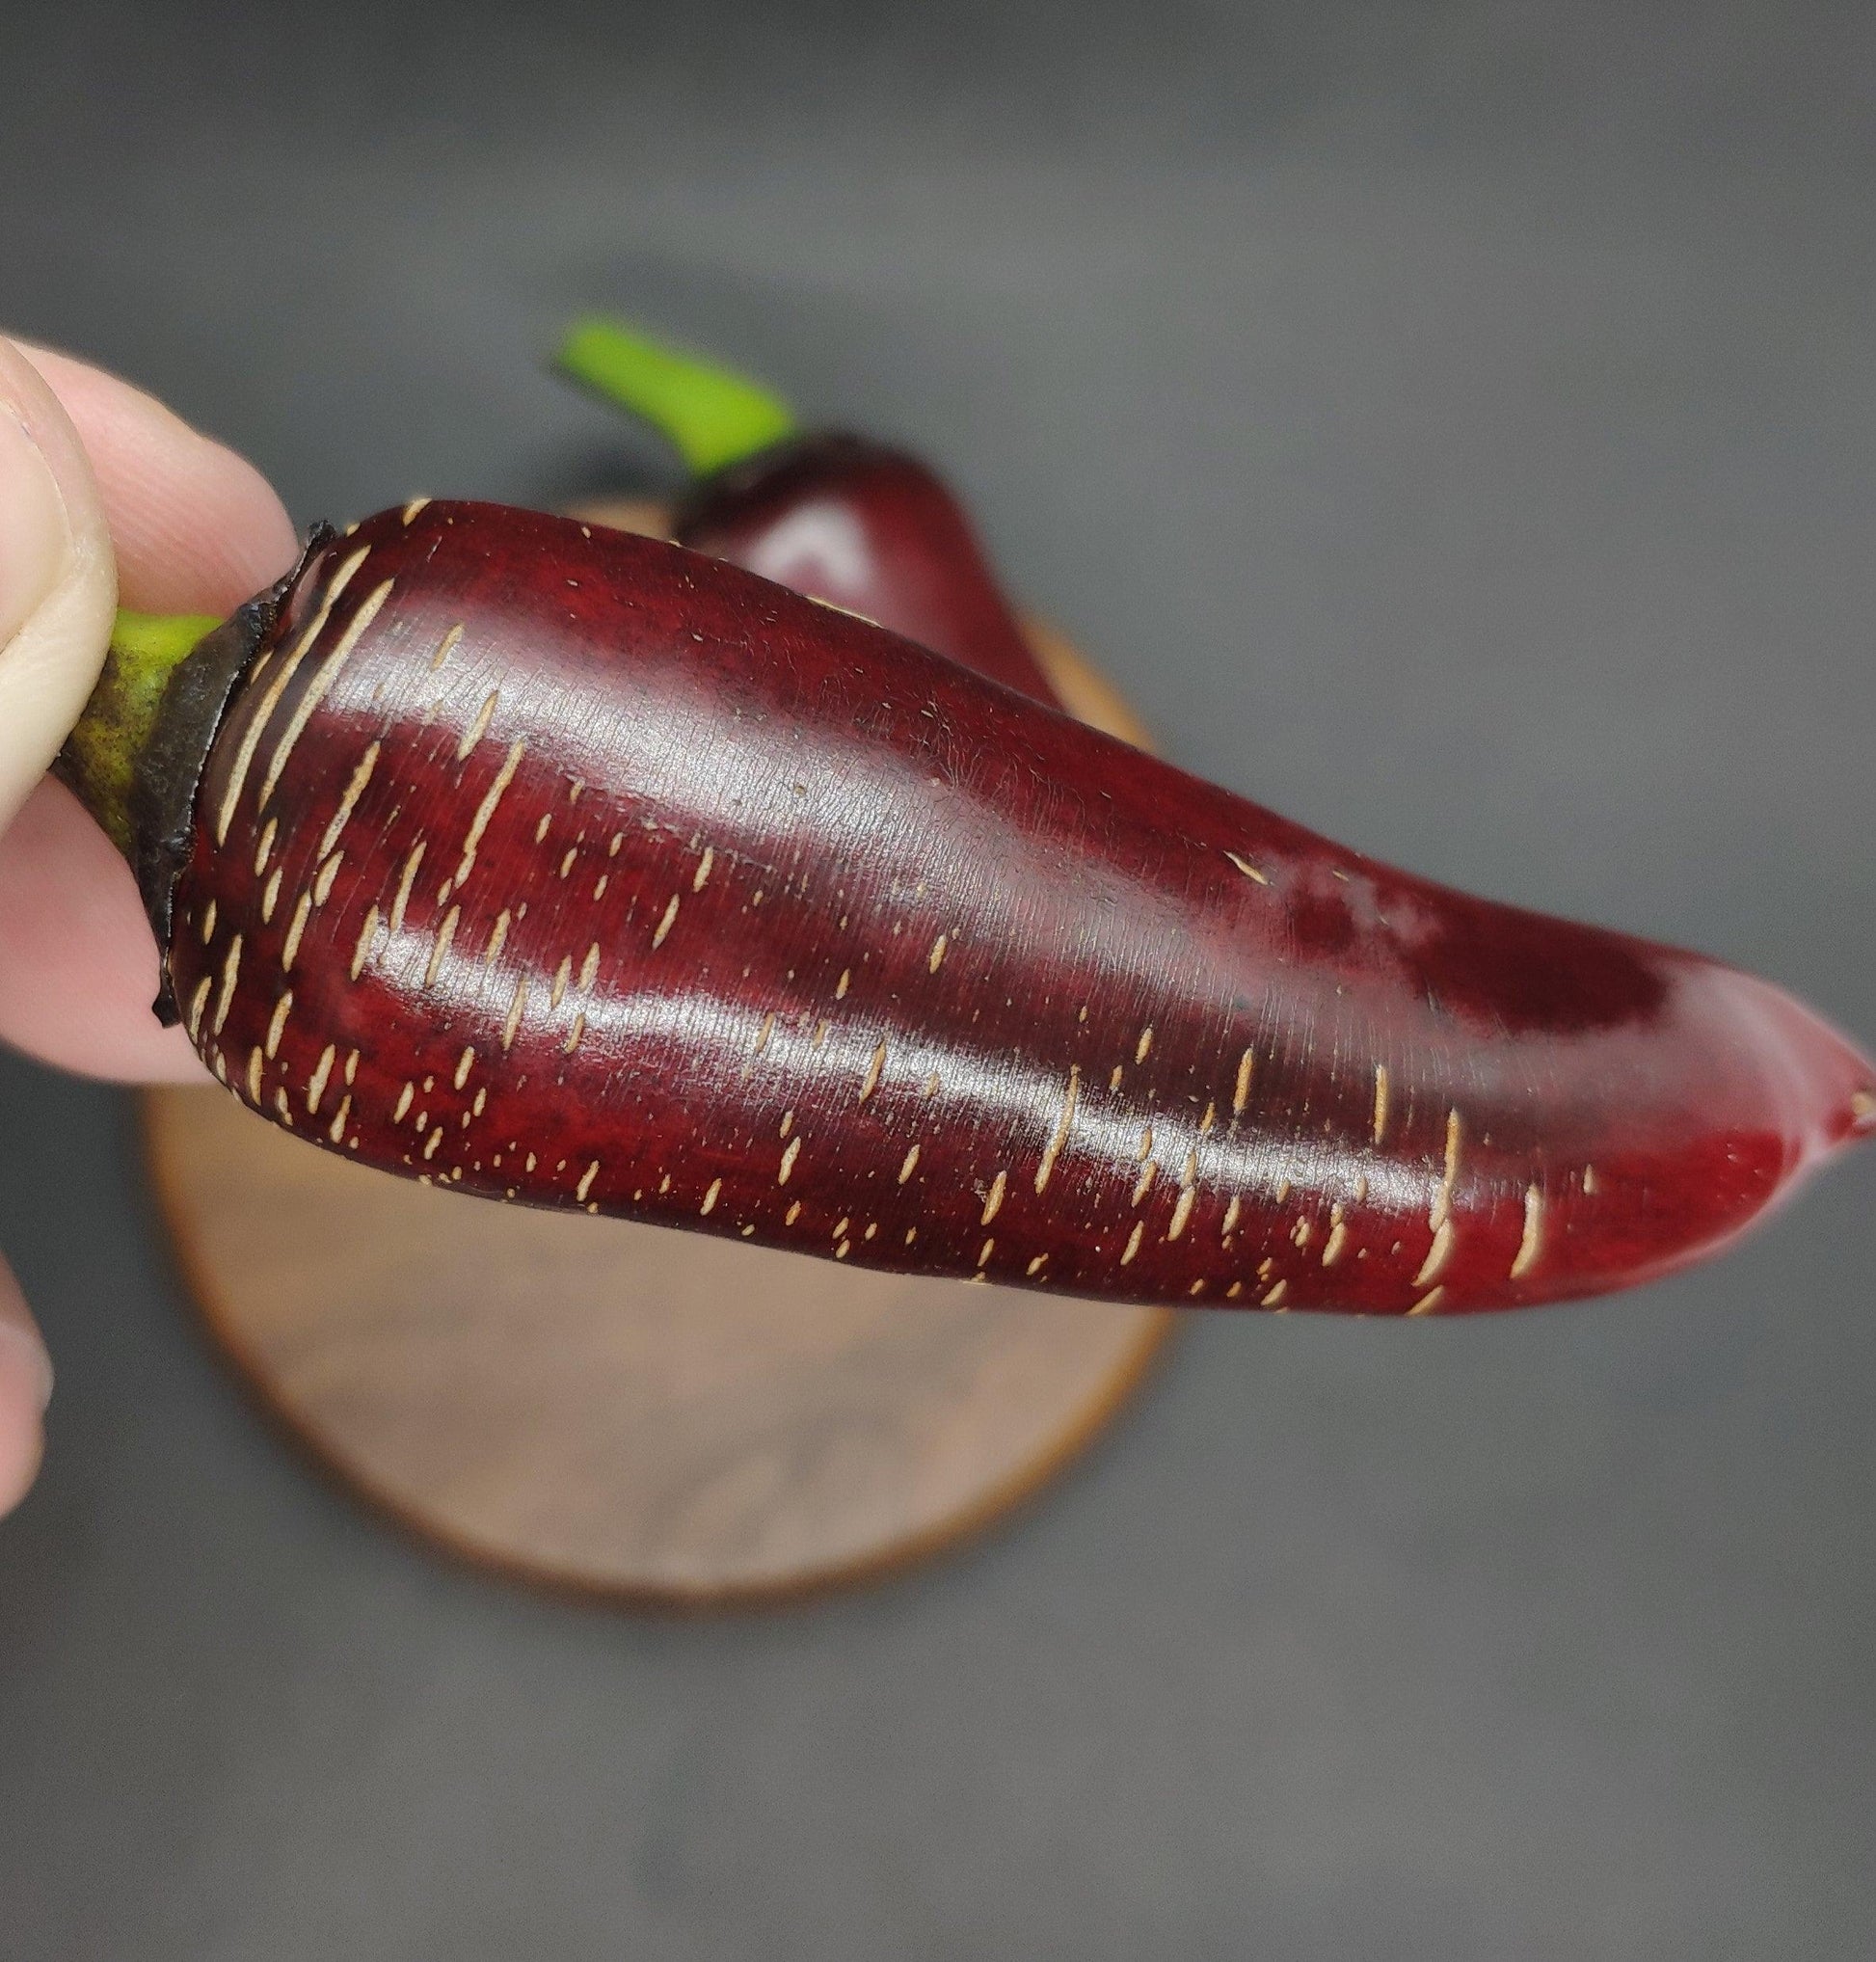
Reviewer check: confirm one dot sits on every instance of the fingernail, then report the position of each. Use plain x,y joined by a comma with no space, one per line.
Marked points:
31,1351
58,580
35,537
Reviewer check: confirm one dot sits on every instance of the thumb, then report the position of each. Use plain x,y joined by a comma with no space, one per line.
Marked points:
25,1384
58,580
58,594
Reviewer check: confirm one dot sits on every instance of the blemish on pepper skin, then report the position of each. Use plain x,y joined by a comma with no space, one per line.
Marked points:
354,790
664,924
1143,1047
1133,1242
1113,1080
403,1103
870,1082
1060,1136
703,864
909,1164
842,985
1230,1218
498,937
1145,1150
446,647
586,1184
265,849
788,1157
1428,1303
1589,1181
486,809
993,1205
254,1075
1381,1103
465,1063
301,912
1241,1092
1036,1266
231,974
1182,1212
936,959
322,883
1144,1184
271,895
1437,1254
710,1198
984,1253
479,728
208,924
1338,1239
316,689
321,1071
277,1028
338,1131
410,510
1531,1243
366,934
1246,867
406,881
250,740
445,933
1276,1295
792,1214
1442,1203
589,968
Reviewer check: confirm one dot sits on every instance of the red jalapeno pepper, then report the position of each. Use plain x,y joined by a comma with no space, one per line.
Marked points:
840,516
575,868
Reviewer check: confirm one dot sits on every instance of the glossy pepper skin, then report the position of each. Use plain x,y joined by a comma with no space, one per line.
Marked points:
569,868
870,528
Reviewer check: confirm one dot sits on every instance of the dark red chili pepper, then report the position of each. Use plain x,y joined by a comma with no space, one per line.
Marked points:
840,516
571,867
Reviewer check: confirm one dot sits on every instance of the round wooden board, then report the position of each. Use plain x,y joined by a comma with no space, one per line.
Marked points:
662,1416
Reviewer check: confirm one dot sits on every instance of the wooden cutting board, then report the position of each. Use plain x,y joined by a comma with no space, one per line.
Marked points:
667,1418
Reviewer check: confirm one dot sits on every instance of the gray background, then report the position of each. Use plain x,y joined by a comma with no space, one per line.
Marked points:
1453,425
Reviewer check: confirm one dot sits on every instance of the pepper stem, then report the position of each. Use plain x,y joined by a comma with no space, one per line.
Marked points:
711,416
100,758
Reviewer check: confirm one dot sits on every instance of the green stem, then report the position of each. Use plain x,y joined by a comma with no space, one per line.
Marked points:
710,414
101,755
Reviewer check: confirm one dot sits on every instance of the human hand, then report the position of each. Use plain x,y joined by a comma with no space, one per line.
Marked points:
105,496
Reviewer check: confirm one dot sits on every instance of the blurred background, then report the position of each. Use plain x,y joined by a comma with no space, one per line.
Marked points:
1453,424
